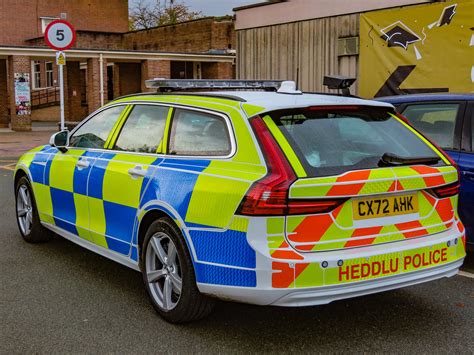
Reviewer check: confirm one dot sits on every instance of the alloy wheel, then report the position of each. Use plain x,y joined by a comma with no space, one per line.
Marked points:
163,271
24,209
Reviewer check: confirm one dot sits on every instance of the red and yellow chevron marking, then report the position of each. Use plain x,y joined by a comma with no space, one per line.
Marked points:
336,230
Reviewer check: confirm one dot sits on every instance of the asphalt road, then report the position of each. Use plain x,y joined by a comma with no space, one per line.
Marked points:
60,298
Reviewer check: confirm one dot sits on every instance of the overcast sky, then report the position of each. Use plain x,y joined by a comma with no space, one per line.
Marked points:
213,7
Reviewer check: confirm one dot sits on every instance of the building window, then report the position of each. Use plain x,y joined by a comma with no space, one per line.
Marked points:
347,46
36,74
49,74
45,21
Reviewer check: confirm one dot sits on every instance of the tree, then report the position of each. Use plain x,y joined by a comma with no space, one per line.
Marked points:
146,14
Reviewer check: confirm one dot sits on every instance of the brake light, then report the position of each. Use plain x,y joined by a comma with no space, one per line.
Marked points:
446,190
269,195
334,107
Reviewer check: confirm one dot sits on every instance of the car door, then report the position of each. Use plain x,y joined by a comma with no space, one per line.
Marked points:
120,176
68,171
466,165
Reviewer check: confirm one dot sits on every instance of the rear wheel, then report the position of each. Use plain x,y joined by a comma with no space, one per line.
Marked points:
168,274
27,214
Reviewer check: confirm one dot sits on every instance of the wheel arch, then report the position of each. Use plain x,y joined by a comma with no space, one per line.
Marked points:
19,173
145,222
151,215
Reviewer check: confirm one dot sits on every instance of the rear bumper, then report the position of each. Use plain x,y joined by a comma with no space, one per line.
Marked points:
324,295
329,294
324,277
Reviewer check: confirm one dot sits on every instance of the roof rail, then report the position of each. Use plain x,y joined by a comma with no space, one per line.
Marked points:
164,85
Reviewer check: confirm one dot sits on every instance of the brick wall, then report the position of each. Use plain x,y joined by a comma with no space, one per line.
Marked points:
18,64
154,69
192,36
218,71
72,93
88,40
4,117
129,79
93,83
223,35
91,15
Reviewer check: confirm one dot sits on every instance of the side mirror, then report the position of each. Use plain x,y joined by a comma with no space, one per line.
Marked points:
60,140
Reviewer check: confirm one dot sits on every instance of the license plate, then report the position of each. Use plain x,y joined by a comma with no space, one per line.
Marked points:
366,208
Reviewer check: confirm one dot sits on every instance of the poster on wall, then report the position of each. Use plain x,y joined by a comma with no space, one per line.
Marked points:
417,49
22,94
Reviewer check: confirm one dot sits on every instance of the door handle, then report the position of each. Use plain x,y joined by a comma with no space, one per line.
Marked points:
83,163
137,172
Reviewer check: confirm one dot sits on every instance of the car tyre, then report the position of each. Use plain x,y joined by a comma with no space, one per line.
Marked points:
27,216
168,275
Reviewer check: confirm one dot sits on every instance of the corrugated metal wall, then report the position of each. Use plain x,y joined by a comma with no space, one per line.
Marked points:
276,52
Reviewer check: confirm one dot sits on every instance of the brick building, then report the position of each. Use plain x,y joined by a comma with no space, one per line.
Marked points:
106,61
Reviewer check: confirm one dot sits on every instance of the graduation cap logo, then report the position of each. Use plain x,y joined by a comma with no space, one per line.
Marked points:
447,15
399,34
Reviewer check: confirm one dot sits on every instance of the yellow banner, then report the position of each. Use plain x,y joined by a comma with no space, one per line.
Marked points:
416,49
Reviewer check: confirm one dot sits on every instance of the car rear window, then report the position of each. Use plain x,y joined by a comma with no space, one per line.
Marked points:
331,141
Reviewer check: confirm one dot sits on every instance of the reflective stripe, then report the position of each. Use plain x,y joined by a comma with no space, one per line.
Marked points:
163,147
285,146
427,142
110,142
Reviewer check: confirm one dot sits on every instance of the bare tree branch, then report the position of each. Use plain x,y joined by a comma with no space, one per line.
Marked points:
146,14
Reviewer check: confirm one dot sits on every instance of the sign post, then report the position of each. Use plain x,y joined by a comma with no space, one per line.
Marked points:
60,35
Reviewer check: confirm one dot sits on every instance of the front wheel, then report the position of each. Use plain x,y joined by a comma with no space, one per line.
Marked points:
168,274
27,214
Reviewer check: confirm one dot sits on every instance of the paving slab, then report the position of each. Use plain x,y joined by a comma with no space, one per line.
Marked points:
14,144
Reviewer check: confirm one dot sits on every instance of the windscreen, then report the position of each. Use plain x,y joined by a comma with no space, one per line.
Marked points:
331,141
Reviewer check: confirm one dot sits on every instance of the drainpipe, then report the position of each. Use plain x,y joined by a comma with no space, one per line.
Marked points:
101,75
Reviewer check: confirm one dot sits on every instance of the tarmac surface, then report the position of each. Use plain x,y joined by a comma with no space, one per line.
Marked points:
60,298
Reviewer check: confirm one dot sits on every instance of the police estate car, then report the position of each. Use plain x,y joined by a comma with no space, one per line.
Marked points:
270,197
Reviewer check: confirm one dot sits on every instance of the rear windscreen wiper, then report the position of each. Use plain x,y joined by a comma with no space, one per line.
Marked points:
389,159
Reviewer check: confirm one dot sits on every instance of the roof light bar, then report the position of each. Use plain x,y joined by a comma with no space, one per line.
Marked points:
196,84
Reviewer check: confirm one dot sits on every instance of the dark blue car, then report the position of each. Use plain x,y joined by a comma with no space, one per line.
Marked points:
448,120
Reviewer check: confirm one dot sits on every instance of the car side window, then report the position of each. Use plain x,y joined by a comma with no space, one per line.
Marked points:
143,130
472,132
437,121
199,134
95,131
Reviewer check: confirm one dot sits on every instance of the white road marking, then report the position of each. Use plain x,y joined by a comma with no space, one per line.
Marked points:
466,274
7,167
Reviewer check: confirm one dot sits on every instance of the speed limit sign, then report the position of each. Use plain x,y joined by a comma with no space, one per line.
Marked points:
60,35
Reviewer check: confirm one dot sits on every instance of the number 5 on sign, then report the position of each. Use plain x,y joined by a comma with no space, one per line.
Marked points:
60,35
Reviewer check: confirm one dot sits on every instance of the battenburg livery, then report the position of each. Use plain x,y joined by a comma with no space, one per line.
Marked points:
265,197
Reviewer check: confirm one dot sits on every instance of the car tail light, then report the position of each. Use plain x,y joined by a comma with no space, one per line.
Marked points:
313,206
269,195
446,190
